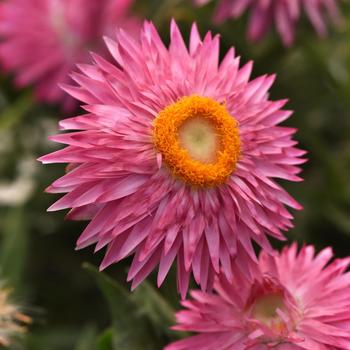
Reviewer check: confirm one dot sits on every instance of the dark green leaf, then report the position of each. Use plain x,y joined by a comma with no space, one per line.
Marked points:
132,330
13,251
105,341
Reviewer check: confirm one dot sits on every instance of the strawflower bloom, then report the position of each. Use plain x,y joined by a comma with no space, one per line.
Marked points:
284,14
299,301
175,158
41,40
13,323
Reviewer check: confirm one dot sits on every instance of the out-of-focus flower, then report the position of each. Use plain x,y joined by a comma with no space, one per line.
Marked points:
283,13
298,301
176,158
12,321
41,40
19,190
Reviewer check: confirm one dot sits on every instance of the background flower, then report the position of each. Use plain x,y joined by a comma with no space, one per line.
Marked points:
176,158
13,323
284,14
41,41
299,301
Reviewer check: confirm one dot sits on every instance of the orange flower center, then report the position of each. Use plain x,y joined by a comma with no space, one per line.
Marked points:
198,140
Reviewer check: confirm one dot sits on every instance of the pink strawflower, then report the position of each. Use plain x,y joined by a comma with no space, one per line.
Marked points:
298,301
175,158
41,40
284,14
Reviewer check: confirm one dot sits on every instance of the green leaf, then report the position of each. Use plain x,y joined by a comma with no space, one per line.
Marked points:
13,113
105,341
50,338
339,217
132,329
154,306
87,340
14,246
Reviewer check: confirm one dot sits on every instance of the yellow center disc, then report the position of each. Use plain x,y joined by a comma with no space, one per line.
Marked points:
265,311
198,139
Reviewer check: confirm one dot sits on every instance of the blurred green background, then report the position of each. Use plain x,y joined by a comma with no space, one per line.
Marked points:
73,306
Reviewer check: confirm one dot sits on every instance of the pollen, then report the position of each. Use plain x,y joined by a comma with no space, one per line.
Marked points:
198,140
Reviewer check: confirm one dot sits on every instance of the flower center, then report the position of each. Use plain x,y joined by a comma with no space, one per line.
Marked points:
198,140
265,308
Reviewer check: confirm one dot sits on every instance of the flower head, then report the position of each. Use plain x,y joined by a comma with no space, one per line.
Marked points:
298,301
12,321
42,40
285,14
175,158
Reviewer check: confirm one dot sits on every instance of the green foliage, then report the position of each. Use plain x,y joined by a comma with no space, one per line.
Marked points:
14,245
138,319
